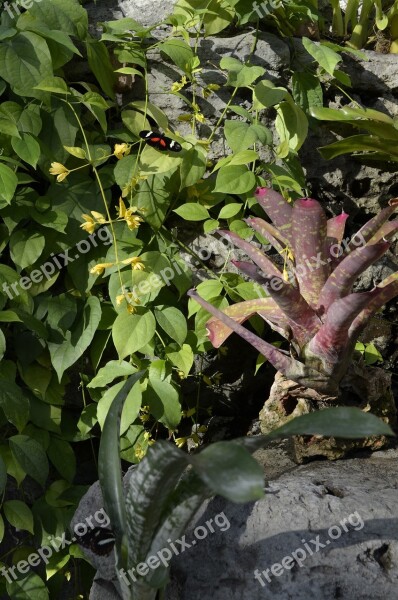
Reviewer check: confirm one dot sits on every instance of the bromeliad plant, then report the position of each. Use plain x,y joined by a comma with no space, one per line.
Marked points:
310,302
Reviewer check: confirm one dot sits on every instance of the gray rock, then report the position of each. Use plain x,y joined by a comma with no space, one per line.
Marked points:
359,564
145,12
337,521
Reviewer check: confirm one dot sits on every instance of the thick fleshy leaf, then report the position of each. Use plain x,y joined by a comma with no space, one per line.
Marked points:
265,307
265,264
332,338
290,367
340,282
309,228
301,317
384,292
386,231
230,471
335,228
269,232
339,422
277,208
109,468
370,228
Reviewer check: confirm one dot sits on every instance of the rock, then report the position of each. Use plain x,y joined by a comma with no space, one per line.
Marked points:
319,499
145,12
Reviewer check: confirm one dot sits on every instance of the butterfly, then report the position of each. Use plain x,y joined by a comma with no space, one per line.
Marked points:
99,540
160,141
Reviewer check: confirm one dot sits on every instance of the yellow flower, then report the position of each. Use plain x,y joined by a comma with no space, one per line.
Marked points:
127,297
100,268
89,224
135,262
133,221
99,217
178,85
121,208
121,150
139,452
59,170
180,442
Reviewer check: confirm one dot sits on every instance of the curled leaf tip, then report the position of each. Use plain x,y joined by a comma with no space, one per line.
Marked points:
393,202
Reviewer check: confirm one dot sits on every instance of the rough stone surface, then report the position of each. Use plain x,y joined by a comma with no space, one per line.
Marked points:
146,12
360,564
301,503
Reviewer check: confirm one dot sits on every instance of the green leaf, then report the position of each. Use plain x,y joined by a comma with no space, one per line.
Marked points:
191,211
101,66
240,158
230,210
26,246
230,471
27,148
19,515
372,354
76,151
130,332
8,183
55,85
112,369
326,57
339,422
307,90
173,322
239,74
25,61
266,94
131,407
291,125
62,456
193,167
14,404
183,359
64,15
235,180
109,467
31,587
163,401
153,161
178,51
77,340
239,135
31,456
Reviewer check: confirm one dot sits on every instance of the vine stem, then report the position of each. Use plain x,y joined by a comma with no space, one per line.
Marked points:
99,182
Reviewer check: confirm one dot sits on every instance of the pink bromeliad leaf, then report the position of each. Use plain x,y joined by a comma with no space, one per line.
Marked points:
373,225
340,282
335,228
386,231
277,208
331,340
303,320
278,241
265,264
241,312
309,230
382,293
291,368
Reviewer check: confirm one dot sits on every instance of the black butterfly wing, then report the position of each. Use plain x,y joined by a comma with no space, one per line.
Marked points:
160,141
99,540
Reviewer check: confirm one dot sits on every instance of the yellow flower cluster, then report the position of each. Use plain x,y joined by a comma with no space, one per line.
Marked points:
121,150
91,222
128,214
59,170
